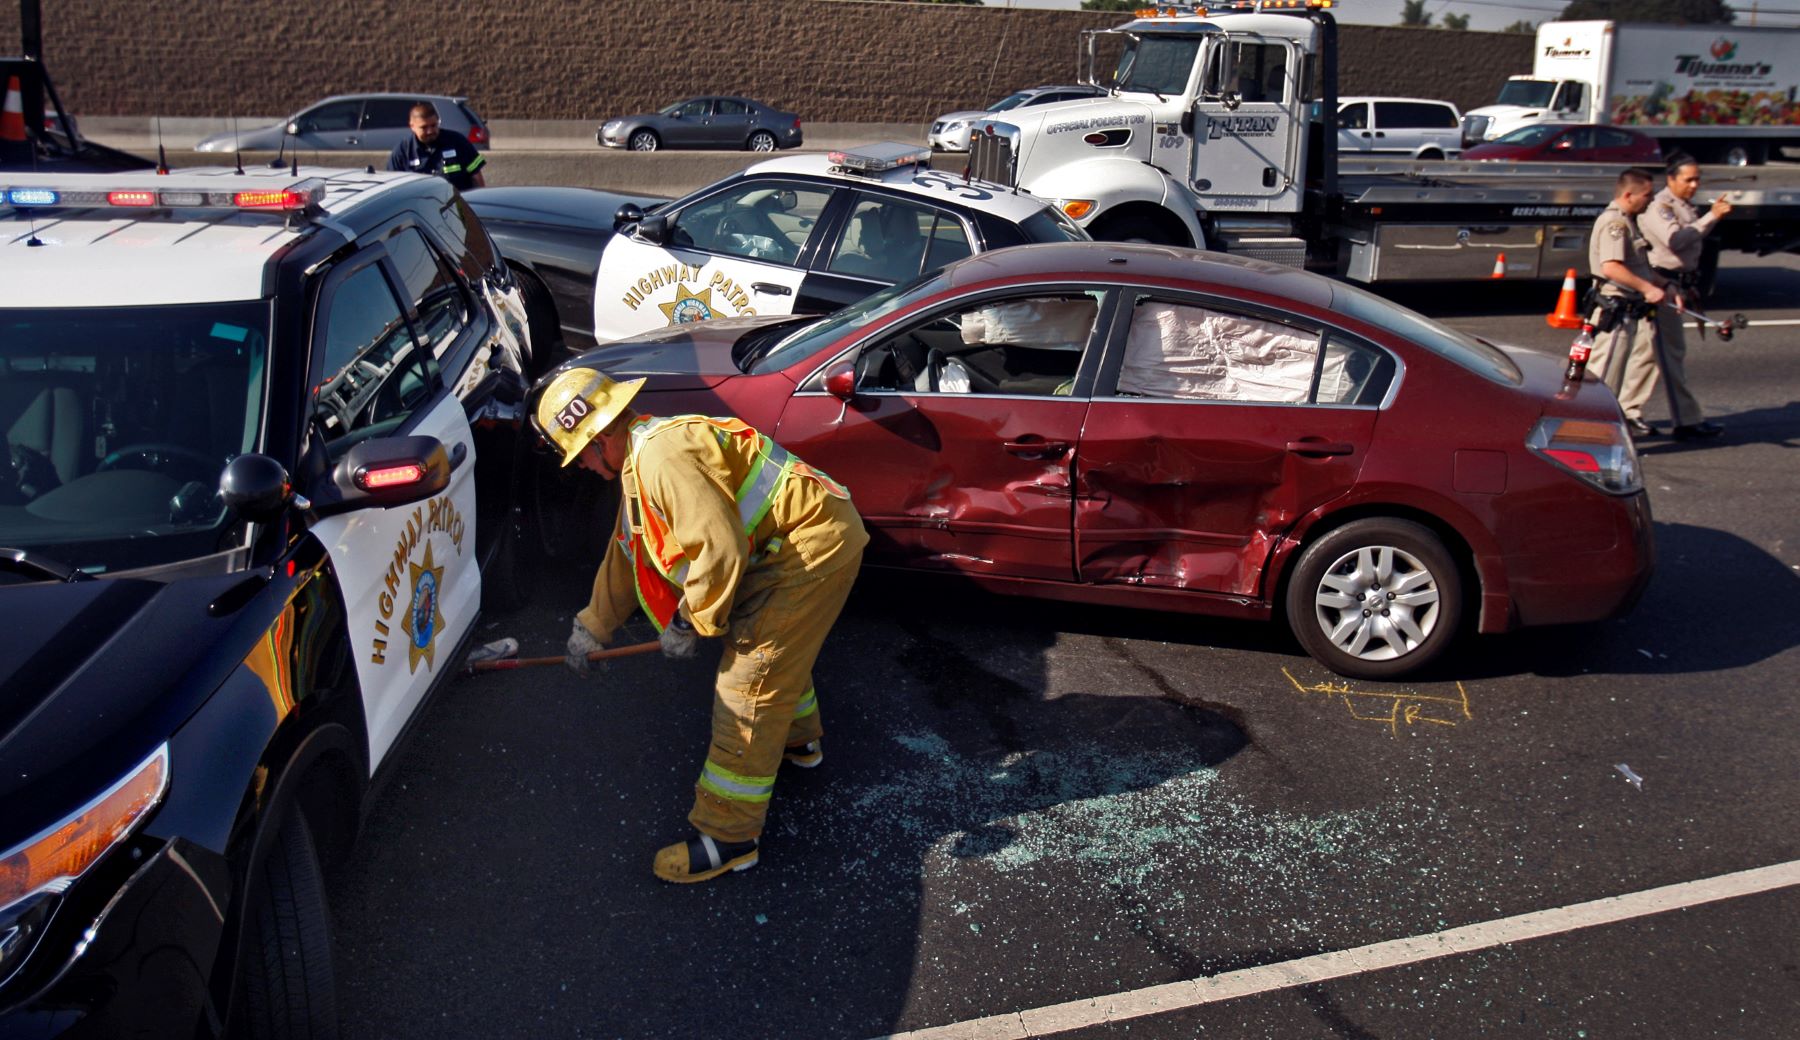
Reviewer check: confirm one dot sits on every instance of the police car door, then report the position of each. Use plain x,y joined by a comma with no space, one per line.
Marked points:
409,576
739,250
1246,136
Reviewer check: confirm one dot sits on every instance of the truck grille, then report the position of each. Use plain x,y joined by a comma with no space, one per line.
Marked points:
991,157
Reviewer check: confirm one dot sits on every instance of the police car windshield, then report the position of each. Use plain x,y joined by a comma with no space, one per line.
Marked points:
808,339
115,423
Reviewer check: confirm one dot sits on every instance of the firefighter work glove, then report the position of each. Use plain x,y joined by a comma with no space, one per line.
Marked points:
679,640
582,643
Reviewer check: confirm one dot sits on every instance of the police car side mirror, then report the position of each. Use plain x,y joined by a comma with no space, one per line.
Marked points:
654,230
840,381
256,487
629,213
384,472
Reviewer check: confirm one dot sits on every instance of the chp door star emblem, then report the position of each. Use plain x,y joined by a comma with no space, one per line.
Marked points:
424,620
688,306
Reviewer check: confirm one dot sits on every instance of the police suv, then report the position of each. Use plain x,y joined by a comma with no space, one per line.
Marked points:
796,235
260,429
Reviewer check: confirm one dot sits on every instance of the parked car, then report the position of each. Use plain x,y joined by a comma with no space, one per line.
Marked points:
351,122
1417,127
799,234
1561,142
950,132
704,122
1159,427
263,449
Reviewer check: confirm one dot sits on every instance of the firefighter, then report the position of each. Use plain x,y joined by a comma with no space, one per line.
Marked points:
721,533
1676,232
1624,352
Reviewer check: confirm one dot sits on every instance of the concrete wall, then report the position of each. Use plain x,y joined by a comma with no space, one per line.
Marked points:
837,60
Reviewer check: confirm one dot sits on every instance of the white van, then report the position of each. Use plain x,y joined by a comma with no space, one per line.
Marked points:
1416,127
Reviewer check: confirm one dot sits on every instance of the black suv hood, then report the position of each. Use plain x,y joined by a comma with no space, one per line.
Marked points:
93,676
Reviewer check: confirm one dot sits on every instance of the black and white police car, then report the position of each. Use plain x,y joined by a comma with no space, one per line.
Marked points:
804,234
260,436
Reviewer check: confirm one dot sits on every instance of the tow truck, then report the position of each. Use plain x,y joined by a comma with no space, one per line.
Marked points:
1219,131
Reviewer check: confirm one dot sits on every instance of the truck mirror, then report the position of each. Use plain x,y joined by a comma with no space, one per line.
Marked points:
1187,122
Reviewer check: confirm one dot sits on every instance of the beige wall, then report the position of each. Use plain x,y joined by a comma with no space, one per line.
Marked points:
830,60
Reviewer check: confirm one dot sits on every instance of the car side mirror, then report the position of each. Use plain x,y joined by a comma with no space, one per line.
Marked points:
256,487
629,213
293,128
385,472
840,381
654,230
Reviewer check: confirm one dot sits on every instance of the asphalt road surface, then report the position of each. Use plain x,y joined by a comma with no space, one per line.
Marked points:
1039,819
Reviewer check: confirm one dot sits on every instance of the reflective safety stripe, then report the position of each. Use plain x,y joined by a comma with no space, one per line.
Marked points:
477,163
727,784
757,494
453,168
808,704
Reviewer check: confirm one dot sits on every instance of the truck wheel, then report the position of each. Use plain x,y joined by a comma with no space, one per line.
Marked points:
1133,227
1375,599
290,992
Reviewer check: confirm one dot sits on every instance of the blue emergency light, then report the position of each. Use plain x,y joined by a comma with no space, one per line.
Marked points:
32,197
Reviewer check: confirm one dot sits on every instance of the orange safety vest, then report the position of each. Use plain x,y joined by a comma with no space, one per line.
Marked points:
658,563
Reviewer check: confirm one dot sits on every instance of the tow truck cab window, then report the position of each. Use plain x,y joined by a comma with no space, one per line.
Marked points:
370,371
1255,72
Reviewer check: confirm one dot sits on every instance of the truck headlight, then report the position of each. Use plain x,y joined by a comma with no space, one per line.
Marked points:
35,874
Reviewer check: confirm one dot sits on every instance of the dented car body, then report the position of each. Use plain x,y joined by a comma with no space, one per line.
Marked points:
1163,428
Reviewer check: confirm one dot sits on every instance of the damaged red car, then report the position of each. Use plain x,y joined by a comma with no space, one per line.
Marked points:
1170,429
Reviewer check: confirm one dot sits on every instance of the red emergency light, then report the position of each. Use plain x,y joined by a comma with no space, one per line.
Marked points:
390,476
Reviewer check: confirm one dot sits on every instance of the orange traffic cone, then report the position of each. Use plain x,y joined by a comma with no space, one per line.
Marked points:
1565,316
1499,266
14,145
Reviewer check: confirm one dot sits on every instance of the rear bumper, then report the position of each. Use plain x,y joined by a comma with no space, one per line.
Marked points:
1566,588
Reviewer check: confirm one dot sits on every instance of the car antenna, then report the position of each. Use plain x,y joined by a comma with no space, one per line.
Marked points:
162,154
280,153
33,240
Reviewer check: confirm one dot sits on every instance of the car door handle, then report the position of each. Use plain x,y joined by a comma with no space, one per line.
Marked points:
352,140
1317,449
459,453
1381,133
1365,133
771,289
1035,447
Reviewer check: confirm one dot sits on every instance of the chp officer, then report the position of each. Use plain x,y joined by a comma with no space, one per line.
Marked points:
432,149
1624,353
1677,233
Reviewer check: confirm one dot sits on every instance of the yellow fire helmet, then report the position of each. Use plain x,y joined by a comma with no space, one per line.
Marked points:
577,405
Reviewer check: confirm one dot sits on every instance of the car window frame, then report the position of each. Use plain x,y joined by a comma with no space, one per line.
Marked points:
362,121
826,249
1113,363
456,356
803,260
1086,372
355,122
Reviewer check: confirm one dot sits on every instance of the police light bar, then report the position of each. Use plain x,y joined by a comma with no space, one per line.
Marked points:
290,198
879,158
1275,5
1169,12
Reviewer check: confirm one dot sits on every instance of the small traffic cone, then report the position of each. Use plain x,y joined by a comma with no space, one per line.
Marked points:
1565,316
14,145
1499,266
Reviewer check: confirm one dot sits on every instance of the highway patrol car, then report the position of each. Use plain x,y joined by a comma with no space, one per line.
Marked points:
800,234
260,431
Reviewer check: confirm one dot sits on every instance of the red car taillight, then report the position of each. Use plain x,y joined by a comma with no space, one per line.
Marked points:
1600,453
478,135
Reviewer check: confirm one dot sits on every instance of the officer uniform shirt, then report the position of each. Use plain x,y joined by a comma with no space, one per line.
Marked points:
1616,237
1676,231
451,156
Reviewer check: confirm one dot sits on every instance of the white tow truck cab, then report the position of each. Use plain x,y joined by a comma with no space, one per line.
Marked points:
1721,93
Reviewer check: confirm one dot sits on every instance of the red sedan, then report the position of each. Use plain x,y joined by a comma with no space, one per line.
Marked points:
1165,428
1561,142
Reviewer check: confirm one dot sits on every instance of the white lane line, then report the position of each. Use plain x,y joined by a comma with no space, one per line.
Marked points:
1394,953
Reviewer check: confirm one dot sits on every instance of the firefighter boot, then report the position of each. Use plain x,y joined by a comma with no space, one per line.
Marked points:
702,858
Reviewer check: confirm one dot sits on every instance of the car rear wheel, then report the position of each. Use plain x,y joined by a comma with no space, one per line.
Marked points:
1376,599
1430,155
762,141
289,988
644,141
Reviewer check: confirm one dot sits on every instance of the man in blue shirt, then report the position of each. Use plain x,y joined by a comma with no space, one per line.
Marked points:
432,149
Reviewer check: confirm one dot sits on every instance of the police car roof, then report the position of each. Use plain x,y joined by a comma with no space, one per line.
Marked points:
117,256
1000,200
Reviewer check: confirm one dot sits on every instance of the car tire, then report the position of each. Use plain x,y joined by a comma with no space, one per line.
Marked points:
1134,228
643,141
1409,572
572,512
761,141
290,991
1430,155
541,316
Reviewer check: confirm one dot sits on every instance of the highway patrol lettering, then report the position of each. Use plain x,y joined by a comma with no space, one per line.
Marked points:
1096,123
418,586
721,297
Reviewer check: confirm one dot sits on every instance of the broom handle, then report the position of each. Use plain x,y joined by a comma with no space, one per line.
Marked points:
509,663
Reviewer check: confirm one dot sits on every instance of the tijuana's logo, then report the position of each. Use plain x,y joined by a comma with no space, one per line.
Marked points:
1723,49
413,584
698,293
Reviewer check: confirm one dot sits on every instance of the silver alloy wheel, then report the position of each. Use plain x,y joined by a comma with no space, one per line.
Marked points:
1377,603
643,141
762,141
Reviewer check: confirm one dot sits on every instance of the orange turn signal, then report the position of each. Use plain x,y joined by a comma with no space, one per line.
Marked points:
67,850
1078,208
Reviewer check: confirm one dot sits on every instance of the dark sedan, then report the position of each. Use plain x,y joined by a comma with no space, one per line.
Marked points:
704,122
1159,427
1559,142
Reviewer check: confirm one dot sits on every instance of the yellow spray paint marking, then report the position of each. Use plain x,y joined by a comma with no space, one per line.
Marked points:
1391,707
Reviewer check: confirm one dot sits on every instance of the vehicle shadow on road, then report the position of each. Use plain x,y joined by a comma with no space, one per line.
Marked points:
1778,426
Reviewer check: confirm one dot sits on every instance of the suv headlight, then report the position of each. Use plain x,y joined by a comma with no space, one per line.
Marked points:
34,875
